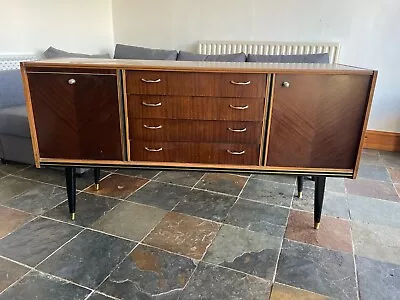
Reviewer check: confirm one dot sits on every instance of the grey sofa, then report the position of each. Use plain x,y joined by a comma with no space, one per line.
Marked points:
15,141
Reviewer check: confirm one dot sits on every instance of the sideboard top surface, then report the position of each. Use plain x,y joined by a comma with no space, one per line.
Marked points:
196,66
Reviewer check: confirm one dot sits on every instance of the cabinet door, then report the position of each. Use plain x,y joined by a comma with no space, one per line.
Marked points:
317,120
76,115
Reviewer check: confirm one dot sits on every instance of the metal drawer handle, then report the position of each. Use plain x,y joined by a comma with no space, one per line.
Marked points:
241,83
237,130
152,127
239,107
235,152
151,104
151,81
71,81
153,150
286,84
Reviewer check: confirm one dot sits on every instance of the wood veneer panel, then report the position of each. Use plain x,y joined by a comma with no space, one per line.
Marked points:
196,84
197,108
76,121
317,122
205,153
195,131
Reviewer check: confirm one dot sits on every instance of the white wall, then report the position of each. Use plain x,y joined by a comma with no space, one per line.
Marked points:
368,31
31,26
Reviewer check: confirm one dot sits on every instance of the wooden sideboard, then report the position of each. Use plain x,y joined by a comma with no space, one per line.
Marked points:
301,119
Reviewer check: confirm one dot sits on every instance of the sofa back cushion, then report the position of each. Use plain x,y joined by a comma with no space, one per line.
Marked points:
188,56
52,52
322,58
11,88
133,52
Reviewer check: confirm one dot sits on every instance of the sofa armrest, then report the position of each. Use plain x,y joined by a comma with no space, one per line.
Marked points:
11,88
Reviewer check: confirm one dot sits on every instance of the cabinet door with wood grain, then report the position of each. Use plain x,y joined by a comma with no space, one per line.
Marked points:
76,115
317,120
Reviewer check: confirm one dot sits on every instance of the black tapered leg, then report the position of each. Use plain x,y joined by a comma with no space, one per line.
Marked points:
70,178
318,199
96,172
300,183
3,161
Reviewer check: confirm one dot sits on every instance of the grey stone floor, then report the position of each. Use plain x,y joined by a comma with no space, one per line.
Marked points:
193,235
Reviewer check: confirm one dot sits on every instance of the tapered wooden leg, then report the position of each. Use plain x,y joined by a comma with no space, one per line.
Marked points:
70,178
300,182
96,172
318,199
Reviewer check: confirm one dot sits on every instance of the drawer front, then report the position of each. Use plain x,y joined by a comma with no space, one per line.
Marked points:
205,153
196,84
195,131
196,108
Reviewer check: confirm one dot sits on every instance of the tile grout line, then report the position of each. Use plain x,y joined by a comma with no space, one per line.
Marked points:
16,281
19,227
354,259
202,176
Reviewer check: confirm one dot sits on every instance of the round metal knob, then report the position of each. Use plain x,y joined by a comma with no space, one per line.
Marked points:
71,81
285,84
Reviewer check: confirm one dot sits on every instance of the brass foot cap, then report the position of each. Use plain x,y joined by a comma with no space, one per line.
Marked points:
73,216
300,194
316,225
97,186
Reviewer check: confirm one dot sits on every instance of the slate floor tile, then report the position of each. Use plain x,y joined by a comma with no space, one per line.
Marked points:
187,178
246,251
130,220
39,199
10,272
97,296
87,259
332,184
89,208
159,194
47,175
378,280
268,192
86,179
259,217
11,186
149,273
183,234
371,157
373,172
223,183
36,240
333,234
394,175
118,186
215,283
288,179
142,173
11,167
372,189
41,286
364,209
376,242
323,271
285,292
11,219
335,204
390,159
206,205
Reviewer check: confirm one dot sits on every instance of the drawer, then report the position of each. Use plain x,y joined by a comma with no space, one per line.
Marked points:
196,84
197,108
206,153
195,131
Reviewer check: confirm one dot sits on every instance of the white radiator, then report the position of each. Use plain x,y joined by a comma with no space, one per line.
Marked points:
11,61
270,48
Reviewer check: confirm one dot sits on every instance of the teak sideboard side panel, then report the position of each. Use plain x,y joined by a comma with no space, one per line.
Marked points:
317,120
76,115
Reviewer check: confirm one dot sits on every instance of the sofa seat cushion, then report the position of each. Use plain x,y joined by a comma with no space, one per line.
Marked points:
188,56
133,52
322,58
52,52
14,121
11,88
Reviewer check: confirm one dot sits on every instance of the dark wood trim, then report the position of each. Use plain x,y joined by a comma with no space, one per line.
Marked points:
382,140
366,118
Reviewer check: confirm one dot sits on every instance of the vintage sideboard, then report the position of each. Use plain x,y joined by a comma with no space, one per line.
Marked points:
301,119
